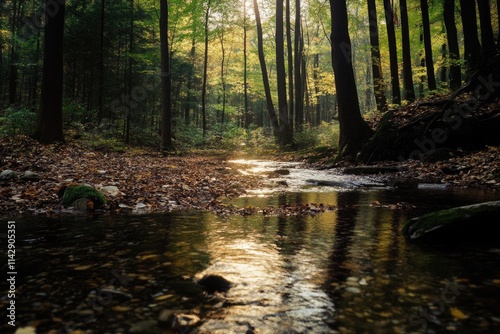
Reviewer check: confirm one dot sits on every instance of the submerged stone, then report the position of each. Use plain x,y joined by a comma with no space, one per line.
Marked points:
472,222
214,283
146,327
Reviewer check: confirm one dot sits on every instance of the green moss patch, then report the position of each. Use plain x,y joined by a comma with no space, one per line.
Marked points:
466,222
73,193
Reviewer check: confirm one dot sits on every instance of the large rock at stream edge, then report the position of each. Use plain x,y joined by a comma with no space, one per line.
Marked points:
74,193
477,222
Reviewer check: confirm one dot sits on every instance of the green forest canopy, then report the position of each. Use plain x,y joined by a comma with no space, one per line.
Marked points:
112,64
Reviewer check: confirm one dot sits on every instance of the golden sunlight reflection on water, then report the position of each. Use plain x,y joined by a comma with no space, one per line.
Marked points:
277,278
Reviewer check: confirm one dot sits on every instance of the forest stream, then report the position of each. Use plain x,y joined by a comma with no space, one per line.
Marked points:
347,270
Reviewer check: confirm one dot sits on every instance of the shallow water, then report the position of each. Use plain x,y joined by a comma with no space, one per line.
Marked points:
347,271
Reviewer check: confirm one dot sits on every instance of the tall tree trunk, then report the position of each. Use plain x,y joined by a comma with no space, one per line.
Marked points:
189,95
317,101
393,52
166,85
13,59
299,87
422,77
2,42
50,123
443,70
304,92
289,46
487,38
429,63
245,66
269,100
354,131
498,19
286,136
34,87
130,71
472,47
100,96
453,48
409,90
378,79
205,68
223,76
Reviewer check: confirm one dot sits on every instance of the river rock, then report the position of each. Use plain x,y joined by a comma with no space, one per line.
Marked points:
185,320
146,327
477,222
346,184
8,175
366,170
282,171
116,294
214,283
26,330
112,191
30,176
80,204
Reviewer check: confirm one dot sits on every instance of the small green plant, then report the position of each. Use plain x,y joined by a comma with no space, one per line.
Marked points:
76,114
104,144
17,122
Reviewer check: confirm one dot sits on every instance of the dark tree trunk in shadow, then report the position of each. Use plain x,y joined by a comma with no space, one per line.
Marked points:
166,83
455,78
50,125
409,90
472,47
393,52
378,79
354,131
429,62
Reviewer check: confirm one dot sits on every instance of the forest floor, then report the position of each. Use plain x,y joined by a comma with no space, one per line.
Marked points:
480,168
149,181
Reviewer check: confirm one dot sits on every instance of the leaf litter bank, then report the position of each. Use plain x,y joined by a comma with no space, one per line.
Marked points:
147,181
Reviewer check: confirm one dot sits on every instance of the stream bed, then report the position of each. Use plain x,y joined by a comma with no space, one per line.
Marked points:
349,270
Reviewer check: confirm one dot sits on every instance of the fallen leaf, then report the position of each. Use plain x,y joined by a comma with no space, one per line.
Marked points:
120,308
164,297
82,267
457,314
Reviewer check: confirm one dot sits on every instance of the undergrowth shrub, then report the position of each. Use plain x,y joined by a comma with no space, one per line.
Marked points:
17,121
327,134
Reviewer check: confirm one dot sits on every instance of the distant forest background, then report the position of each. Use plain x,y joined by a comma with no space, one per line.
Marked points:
401,50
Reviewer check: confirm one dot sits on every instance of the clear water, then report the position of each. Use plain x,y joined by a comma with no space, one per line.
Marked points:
346,271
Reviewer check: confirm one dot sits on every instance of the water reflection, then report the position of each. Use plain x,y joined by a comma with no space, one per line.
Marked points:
349,270
275,273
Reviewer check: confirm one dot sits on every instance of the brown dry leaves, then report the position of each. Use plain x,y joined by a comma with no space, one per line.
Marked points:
148,181
474,169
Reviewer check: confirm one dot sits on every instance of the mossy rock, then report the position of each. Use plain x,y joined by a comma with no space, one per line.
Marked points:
73,193
475,222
